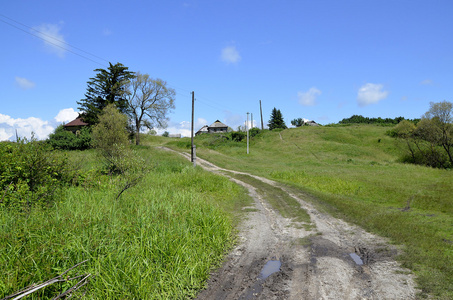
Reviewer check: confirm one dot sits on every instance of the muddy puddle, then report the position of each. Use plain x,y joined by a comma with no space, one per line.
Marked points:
270,268
356,259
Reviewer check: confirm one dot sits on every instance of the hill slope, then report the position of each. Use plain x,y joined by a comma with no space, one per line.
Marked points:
354,173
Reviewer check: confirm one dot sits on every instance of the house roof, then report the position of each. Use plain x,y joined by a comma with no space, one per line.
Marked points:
202,130
218,124
77,122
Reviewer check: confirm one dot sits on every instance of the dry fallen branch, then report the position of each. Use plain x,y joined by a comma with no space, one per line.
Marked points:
68,293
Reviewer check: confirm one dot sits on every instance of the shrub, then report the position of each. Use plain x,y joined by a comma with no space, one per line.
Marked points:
30,174
238,136
66,140
110,136
430,141
254,132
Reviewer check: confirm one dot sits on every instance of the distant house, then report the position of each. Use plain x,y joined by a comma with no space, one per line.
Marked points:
203,129
175,135
75,125
217,126
311,123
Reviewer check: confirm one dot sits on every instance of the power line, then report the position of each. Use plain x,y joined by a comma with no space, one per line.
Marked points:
53,38
58,43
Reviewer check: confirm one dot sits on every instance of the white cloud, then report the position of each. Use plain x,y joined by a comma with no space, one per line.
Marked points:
201,122
230,55
24,127
24,83
308,98
66,115
426,82
53,39
234,120
371,93
107,32
4,135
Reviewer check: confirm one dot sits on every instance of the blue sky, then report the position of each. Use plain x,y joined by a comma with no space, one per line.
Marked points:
320,60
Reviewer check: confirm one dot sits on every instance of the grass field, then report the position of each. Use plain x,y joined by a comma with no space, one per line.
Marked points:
159,240
353,172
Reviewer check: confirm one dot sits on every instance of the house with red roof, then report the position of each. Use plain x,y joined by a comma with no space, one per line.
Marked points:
75,125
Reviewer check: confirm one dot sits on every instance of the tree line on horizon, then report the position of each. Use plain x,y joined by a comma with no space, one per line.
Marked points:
359,119
277,120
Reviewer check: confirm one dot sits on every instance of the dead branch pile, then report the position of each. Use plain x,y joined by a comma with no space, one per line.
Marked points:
82,280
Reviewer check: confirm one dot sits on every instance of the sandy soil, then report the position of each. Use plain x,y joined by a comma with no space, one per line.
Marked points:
277,258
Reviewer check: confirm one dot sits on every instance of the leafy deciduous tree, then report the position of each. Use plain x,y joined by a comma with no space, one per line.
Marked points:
107,87
441,116
111,138
110,135
430,142
149,101
298,122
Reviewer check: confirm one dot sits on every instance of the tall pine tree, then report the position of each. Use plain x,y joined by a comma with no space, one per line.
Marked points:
108,86
276,120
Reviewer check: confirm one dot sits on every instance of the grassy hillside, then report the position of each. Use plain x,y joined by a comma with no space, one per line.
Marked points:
159,240
354,173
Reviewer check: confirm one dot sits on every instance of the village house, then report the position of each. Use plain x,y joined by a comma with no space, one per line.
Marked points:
75,125
216,127
311,123
203,129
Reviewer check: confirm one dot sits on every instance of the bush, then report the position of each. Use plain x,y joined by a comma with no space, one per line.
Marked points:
66,140
238,136
30,174
110,136
254,132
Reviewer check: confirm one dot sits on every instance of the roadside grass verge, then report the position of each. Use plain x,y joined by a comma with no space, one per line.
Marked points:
354,173
159,240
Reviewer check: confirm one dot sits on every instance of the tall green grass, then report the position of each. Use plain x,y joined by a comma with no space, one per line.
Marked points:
159,240
354,172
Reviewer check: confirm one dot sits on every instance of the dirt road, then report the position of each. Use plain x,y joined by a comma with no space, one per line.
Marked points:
277,258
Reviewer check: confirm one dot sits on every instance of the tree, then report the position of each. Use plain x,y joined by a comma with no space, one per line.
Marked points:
149,101
107,87
430,142
110,136
276,120
298,122
441,119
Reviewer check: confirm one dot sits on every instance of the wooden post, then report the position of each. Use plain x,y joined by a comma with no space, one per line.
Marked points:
261,111
192,146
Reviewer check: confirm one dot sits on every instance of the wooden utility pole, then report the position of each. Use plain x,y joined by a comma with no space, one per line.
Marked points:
251,122
261,111
192,159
